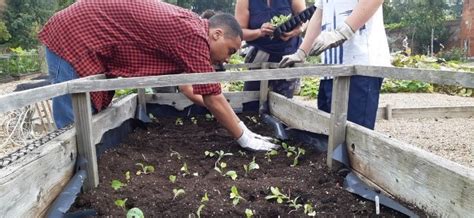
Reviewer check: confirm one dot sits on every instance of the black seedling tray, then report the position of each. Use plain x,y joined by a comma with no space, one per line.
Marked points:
294,21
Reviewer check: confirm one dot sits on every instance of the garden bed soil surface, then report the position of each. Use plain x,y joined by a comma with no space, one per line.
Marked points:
159,145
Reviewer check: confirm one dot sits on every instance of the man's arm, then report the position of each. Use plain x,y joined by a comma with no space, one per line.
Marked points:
223,112
187,90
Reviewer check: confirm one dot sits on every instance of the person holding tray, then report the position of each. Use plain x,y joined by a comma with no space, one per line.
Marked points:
254,17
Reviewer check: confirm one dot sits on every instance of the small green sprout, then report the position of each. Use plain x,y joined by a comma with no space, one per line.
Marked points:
235,196
185,169
300,153
278,20
249,213
175,153
172,178
209,117
205,198
232,174
116,184
135,213
308,210
179,121
276,194
209,153
220,168
252,118
294,204
145,169
127,176
121,203
177,192
194,120
198,212
270,154
242,153
252,166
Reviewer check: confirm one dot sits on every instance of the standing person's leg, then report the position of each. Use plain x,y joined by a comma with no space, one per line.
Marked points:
324,95
60,71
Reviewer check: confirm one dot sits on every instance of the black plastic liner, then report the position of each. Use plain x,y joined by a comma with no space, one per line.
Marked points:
113,137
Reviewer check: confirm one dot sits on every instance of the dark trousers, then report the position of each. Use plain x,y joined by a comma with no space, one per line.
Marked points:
363,99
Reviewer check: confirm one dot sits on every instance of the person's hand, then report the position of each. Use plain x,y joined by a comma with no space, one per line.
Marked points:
298,57
252,141
331,39
288,35
266,29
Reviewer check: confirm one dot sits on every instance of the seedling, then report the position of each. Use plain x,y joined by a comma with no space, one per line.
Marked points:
252,166
221,154
135,213
235,196
252,118
172,178
198,212
290,150
209,117
209,153
278,20
242,153
145,169
220,168
185,169
175,153
116,184
308,210
179,121
177,192
270,154
121,203
205,198
194,120
248,213
127,176
232,174
276,194
293,204
300,153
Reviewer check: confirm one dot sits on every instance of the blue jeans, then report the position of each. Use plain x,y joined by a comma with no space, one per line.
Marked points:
364,94
60,70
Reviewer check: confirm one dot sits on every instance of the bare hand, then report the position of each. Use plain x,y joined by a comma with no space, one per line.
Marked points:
266,29
288,35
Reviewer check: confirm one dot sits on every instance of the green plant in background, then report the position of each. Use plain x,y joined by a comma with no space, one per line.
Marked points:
249,213
278,20
270,154
178,192
251,166
294,204
145,169
309,87
135,213
276,194
232,174
172,178
122,92
300,152
121,203
116,184
20,62
235,196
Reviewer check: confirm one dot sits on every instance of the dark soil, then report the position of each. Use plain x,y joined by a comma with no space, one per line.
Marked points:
310,181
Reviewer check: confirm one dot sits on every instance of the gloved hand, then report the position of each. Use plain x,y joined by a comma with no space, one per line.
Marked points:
331,39
253,141
298,57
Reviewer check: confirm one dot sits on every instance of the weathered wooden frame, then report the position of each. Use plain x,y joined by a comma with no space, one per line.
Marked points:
450,194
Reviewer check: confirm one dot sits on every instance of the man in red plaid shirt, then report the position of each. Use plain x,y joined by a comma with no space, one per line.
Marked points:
121,38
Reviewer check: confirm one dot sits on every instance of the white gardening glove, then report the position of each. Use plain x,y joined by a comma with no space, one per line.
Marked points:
255,142
266,138
331,39
298,57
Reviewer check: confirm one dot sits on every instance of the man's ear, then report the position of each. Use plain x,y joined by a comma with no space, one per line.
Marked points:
217,33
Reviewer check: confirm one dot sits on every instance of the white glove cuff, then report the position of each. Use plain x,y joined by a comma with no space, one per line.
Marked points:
244,138
345,30
301,54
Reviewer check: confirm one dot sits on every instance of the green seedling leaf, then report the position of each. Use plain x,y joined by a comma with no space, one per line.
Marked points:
185,169
145,169
175,153
232,174
116,184
242,153
300,153
198,212
194,120
177,192
223,165
253,165
135,213
293,204
179,121
121,203
235,196
276,194
205,198
278,20
209,154
209,117
149,169
127,176
308,210
248,213
172,178
270,154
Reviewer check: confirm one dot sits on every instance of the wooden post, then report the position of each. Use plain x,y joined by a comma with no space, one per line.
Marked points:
337,123
388,112
263,91
142,99
86,148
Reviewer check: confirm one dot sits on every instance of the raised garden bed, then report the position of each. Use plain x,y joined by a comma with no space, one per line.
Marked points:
170,143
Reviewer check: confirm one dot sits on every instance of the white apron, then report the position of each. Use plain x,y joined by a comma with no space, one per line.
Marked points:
369,44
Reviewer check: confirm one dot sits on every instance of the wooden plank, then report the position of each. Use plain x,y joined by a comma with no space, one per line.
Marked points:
83,122
21,99
179,101
428,112
269,65
432,76
113,116
263,91
338,120
31,183
142,99
78,86
296,115
435,184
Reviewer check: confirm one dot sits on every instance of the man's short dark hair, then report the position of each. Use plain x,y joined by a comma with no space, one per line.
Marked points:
228,23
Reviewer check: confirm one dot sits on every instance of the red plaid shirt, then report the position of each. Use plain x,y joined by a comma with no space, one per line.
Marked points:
123,38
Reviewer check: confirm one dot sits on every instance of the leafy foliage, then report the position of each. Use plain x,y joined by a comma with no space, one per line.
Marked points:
21,61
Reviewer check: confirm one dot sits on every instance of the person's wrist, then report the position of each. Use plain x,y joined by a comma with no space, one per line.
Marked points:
345,30
301,53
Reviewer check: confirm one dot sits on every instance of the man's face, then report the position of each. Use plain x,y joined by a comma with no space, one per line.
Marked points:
222,47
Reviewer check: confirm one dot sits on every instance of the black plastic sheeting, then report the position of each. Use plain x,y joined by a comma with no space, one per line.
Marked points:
113,137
